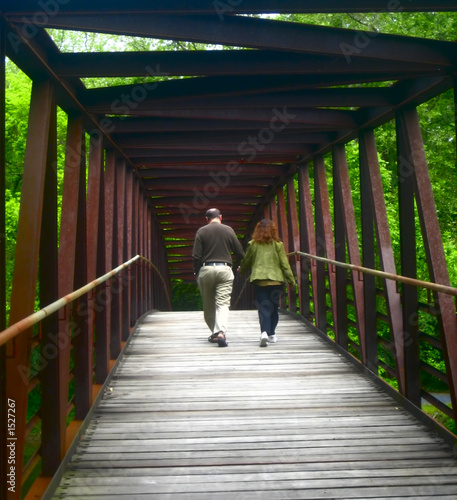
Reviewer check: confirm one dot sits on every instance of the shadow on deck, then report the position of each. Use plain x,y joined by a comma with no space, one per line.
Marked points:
185,419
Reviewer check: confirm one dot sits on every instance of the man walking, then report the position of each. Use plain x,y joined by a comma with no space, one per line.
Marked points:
212,259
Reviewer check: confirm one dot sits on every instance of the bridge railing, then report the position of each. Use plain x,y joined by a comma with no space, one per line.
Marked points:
353,305
73,348
410,352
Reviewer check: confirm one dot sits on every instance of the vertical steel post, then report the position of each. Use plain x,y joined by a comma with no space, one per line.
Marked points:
385,251
96,256
82,342
49,362
274,212
408,264
433,244
282,218
346,207
341,326
93,217
26,259
284,234
141,252
325,244
122,247
307,244
368,256
135,250
109,184
129,242
111,236
68,250
151,257
294,241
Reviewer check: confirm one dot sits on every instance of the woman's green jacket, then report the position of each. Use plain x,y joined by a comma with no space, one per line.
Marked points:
267,261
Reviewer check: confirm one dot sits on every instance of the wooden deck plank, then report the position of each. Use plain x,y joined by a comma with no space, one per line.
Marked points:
185,419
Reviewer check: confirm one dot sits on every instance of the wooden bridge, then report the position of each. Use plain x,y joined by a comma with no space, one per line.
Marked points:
180,418
111,202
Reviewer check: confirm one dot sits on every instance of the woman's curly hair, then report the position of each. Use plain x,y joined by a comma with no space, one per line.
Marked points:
265,232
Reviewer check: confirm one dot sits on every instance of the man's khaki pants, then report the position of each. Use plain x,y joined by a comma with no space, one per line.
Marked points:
215,284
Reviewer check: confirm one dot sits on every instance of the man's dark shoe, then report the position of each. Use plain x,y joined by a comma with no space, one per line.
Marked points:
213,338
221,340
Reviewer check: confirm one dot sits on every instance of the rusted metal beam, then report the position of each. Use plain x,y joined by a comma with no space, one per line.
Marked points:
151,257
245,7
209,139
260,34
345,207
141,250
407,214
49,347
235,90
341,326
109,195
121,214
368,260
307,244
68,251
309,97
294,241
221,62
144,124
324,240
368,145
129,240
96,257
273,215
33,55
112,221
273,117
26,258
199,170
222,159
433,244
283,233
82,341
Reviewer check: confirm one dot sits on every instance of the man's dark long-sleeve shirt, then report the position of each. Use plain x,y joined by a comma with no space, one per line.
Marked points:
215,243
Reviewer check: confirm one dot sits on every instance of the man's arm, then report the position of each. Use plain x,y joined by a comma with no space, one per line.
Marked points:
197,254
237,249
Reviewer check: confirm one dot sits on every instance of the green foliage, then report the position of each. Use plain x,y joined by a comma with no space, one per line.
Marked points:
434,25
18,89
185,296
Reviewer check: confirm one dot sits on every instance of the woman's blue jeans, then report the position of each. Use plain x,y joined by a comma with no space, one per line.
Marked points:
268,300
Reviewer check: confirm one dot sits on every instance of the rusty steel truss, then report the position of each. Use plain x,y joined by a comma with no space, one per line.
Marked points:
236,129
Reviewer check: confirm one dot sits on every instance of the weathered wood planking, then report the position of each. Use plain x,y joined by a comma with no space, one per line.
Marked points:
185,419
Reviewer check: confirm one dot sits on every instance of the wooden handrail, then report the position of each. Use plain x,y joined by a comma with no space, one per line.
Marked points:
382,274
25,323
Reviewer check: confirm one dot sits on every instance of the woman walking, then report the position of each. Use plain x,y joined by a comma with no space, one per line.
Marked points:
270,269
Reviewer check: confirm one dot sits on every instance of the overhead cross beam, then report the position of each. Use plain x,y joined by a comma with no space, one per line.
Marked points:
261,34
237,7
223,62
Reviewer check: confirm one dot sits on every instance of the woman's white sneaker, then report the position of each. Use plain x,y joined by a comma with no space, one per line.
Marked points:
263,339
272,338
